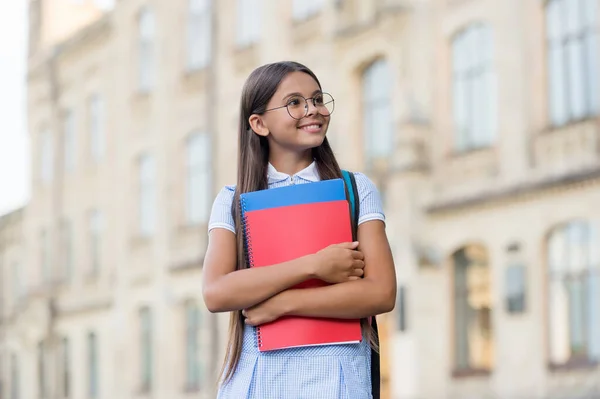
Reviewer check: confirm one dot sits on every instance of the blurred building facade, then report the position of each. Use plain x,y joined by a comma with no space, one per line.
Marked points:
478,120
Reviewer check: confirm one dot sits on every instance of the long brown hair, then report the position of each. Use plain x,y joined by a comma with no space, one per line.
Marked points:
253,160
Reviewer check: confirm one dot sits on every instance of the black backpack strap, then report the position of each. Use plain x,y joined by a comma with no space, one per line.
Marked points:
352,195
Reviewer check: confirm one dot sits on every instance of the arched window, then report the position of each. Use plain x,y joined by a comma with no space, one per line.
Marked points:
146,343
474,88
147,194
15,377
573,293
199,34
193,369
97,139
198,177
93,372
572,43
249,16
378,128
147,51
473,334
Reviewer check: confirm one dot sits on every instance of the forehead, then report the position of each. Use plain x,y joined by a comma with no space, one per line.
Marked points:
297,82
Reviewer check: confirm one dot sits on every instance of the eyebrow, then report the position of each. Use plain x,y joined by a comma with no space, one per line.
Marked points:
300,95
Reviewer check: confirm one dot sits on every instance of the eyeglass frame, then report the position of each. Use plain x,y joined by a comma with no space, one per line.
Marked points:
306,107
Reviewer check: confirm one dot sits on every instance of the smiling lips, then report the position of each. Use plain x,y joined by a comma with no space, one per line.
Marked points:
312,128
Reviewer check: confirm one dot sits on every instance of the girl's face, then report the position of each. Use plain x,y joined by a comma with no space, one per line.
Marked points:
283,131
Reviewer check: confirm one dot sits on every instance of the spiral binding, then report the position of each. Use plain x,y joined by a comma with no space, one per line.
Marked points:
249,256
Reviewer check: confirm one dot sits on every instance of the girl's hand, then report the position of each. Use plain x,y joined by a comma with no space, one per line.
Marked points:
265,312
339,263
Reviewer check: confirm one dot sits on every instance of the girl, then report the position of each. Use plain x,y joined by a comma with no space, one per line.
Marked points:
284,117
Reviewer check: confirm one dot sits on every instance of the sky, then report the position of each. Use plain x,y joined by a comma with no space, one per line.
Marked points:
14,140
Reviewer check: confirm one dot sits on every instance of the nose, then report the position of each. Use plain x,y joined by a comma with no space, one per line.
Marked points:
311,109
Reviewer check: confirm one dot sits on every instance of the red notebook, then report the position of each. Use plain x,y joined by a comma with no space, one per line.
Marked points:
281,233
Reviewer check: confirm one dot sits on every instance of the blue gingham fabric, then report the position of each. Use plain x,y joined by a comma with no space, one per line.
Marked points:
316,372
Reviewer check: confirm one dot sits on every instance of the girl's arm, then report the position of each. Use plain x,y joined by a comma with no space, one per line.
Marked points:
225,289
372,295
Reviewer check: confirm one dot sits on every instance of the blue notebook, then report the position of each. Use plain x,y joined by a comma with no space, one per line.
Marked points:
306,193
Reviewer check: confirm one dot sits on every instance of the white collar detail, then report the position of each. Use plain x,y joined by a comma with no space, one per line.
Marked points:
309,173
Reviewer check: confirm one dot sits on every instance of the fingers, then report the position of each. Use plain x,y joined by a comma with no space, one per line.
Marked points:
347,245
356,274
358,255
247,320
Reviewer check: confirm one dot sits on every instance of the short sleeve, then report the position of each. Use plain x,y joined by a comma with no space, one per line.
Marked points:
220,216
371,207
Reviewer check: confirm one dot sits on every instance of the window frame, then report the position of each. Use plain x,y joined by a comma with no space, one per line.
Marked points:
248,22
473,88
564,272
199,34
146,350
193,367
560,43
70,141
147,56
147,195
478,252
97,134
198,176
93,364
377,100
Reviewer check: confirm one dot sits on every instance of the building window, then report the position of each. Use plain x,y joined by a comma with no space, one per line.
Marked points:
147,50
199,34
41,368
515,288
304,9
95,237
192,343
199,182
67,249
572,42
147,195
15,378
3,379
17,282
92,365
248,22
474,88
47,156
574,294
70,141
46,269
66,368
515,280
147,358
473,335
378,127
97,133
402,308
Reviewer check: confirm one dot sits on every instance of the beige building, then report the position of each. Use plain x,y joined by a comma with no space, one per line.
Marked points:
477,119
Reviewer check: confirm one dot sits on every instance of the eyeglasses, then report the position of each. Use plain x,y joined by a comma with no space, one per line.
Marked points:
297,106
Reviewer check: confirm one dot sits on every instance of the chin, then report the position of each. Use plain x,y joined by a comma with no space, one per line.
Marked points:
313,142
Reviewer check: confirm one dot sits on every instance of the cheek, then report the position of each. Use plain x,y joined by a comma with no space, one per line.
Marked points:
286,126
282,125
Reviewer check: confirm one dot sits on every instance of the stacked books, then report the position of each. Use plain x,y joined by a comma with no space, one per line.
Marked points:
285,223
